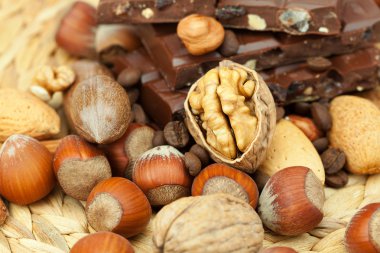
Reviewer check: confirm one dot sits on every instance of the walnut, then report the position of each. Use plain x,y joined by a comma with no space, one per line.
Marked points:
54,79
210,223
200,34
230,112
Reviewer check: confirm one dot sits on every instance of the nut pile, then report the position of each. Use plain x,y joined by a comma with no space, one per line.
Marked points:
230,170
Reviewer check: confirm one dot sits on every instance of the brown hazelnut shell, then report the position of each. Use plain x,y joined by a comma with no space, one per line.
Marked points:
220,170
265,111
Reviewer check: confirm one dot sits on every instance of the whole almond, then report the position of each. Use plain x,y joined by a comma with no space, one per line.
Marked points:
23,113
356,131
291,147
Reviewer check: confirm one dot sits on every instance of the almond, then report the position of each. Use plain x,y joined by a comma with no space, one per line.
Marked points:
356,131
290,147
23,113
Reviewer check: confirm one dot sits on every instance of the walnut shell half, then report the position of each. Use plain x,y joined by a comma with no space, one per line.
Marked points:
212,223
231,113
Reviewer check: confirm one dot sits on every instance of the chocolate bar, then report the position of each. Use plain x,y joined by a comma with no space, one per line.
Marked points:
296,17
357,71
161,103
259,50
152,11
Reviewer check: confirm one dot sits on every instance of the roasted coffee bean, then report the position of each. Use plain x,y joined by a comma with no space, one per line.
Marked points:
129,77
192,163
176,134
333,160
321,144
301,108
230,44
158,138
280,113
318,64
201,153
321,116
337,180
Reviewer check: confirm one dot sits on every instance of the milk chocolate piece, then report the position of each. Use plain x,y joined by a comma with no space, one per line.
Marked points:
296,17
356,71
151,11
161,103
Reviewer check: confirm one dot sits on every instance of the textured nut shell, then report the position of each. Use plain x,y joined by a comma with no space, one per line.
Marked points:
265,112
290,147
212,223
22,113
356,131
99,109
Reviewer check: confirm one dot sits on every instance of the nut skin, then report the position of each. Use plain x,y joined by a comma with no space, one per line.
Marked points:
103,242
200,34
362,231
307,126
76,33
31,177
176,134
135,206
73,148
291,202
3,212
162,166
221,170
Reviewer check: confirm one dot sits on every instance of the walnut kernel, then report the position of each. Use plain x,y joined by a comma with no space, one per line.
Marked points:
55,79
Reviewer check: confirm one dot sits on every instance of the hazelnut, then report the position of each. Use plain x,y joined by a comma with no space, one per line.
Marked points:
26,173
79,166
219,178
176,134
76,32
161,174
291,202
193,163
201,153
362,233
123,153
307,126
200,34
231,113
102,242
118,205
212,223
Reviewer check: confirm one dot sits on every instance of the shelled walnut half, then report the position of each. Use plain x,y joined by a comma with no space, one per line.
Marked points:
231,112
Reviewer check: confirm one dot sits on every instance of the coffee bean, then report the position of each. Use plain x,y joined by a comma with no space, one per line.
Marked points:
129,77
192,163
201,153
321,144
158,138
280,113
333,160
301,108
321,116
176,134
318,64
230,44
337,180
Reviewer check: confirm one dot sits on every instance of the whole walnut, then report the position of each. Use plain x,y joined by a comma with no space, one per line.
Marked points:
214,223
230,112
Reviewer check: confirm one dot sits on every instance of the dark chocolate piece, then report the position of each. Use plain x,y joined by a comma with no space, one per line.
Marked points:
160,103
297,17
357,71
152,11
260,50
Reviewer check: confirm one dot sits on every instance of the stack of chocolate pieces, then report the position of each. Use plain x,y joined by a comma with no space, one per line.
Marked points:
304,50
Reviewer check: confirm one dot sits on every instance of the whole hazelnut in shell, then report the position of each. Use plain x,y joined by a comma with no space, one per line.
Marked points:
161,174
291,202
212,223
231,113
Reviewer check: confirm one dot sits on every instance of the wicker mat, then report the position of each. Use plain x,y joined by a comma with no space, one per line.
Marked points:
55,223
